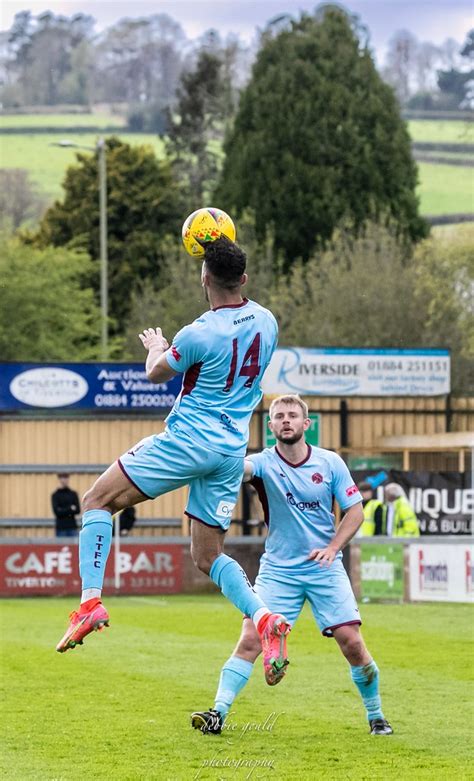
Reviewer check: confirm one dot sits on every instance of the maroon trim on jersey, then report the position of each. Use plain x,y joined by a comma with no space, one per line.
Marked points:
328,632
210,525
295,466
230,306
259,486
131,481
190,378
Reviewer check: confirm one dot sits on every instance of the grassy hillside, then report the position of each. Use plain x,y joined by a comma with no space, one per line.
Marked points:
441,131
47,163
100,119
443,189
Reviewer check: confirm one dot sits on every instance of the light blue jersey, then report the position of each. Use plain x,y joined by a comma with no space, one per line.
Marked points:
298,501
223,355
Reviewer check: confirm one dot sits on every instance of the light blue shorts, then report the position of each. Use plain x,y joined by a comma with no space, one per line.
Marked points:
163,462
327,589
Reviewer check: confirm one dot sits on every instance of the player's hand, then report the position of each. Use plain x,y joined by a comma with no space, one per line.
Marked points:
323,556
152,337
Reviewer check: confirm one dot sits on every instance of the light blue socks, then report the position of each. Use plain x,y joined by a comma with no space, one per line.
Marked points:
234,676
235,585
366,678
94,546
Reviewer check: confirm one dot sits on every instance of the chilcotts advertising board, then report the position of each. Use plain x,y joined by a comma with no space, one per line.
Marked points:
117,387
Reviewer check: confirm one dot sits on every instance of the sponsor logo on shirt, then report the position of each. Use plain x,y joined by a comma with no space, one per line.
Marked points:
174,352
351,490
317,478
301,505
228,423
244,319
224,509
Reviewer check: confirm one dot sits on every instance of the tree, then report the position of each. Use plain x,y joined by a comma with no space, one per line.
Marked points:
401,64
44,57
19,200
142,208
367,292
47,313
444,293
456,83
197,122
317,140
139,60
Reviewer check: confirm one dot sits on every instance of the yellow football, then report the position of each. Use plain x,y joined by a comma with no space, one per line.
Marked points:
205,225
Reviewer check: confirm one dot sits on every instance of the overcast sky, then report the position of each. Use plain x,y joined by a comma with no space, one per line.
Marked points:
429,20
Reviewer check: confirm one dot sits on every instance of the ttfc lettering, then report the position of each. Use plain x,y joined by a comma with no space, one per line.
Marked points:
98,551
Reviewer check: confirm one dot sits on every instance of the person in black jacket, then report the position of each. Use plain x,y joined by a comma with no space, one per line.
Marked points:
66,506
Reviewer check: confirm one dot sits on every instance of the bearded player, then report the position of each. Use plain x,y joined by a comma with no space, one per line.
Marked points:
223,355
302,561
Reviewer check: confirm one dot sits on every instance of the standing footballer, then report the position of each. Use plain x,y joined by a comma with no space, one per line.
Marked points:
302,560
223,355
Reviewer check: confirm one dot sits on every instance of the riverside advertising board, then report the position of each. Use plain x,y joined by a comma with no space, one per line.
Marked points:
332,371
117,387
52,569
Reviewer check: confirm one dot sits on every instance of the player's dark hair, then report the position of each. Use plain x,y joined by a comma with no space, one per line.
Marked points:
226,262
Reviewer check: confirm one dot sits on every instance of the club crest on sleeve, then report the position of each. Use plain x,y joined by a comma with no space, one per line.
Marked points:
351,490
174,352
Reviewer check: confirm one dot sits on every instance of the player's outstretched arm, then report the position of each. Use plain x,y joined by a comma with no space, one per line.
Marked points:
156,365
349,525
248,470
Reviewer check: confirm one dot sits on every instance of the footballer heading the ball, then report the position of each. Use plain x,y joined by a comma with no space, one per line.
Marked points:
204,225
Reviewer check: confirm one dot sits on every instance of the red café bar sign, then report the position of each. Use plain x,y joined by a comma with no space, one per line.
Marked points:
32,570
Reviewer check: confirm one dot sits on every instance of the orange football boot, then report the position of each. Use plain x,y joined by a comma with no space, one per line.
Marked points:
91,617
273,630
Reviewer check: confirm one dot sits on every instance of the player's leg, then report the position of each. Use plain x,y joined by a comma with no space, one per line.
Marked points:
152,467
335,609
281,593
234,676
365,675
211,501
111,493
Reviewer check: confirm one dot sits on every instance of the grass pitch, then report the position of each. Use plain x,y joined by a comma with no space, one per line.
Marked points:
118,707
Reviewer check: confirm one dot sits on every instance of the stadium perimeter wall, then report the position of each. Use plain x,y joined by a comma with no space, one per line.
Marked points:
436,569
33,449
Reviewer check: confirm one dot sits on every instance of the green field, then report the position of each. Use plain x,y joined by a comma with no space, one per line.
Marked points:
60,120
441,131
446,189
46,163
118,707
443,189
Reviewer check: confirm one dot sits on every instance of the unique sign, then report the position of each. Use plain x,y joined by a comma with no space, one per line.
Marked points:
358,372
443,501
